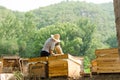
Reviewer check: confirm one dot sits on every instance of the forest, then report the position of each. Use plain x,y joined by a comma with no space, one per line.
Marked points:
84,27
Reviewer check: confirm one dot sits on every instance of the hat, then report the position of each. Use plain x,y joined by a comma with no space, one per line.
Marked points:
56,37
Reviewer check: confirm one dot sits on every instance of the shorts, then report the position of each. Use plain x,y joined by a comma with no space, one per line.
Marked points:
44,54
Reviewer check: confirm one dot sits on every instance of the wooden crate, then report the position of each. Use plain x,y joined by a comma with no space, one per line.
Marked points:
38,70
10,64
64,65
107,60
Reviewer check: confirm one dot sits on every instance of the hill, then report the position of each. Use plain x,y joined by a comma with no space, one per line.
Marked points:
102,14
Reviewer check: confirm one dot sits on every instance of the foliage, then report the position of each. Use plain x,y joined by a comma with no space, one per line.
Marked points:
112,41
69,36
18,75
83,27
87,64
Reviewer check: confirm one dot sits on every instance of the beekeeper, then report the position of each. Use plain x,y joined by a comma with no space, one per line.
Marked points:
52,44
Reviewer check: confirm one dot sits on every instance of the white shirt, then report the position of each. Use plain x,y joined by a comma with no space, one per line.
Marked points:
49,45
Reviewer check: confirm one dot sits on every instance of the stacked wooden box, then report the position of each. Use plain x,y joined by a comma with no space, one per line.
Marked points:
57,66
38,67
65,65
10,64
107,61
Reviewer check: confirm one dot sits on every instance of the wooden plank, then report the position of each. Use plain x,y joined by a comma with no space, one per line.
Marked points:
108,71
108,62
109,56
10,57
38,59
110,68
110,50
106,51
107,65
107,59
65,56
59,73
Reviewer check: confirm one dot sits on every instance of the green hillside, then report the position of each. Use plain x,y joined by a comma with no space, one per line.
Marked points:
102,14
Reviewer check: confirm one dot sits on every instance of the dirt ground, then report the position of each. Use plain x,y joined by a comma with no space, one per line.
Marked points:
115,76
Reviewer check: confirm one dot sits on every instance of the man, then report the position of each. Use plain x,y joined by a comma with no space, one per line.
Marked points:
49,46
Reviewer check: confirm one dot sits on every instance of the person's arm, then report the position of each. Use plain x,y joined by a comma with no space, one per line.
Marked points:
52,53
58,49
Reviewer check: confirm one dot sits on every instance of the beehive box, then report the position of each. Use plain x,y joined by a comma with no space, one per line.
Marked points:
10,64
38,70
64,65
38,67
107,61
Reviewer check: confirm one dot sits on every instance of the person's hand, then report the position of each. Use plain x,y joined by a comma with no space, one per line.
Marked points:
53,54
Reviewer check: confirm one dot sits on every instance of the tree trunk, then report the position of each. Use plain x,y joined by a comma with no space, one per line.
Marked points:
117,20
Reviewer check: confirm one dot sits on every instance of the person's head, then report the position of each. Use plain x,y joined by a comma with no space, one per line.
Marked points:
56,37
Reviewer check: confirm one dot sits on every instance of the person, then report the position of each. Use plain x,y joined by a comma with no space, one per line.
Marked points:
49,46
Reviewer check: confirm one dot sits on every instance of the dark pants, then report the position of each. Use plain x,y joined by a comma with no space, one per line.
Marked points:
44,53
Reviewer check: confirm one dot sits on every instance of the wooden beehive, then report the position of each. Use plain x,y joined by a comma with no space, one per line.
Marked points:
64,65
107,61
10,64
38,69
54,66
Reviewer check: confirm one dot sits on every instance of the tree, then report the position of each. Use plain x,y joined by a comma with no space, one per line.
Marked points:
9,32
87,29
26,38
70,38
112,41
117,20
